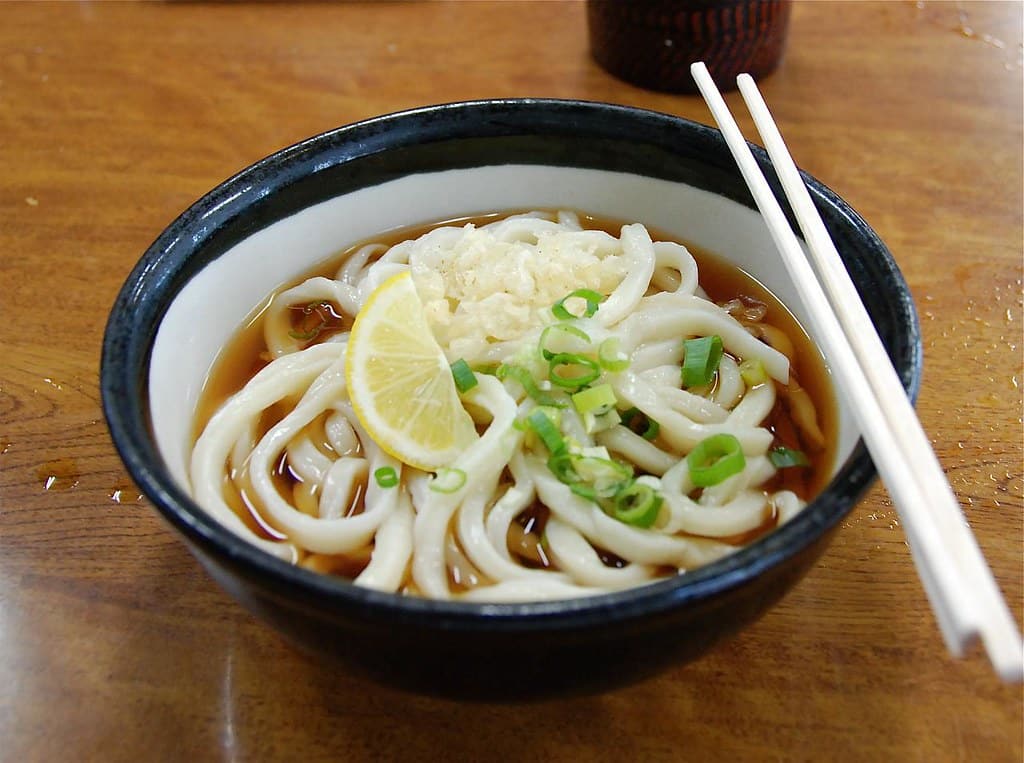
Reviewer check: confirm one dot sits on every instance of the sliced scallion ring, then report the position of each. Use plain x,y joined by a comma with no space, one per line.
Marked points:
305,336
386,476
313,332
584,491
640,423
448,480
561,465
701,357
528,383
593,300
637,505
565,328
583,370
715,459
607,476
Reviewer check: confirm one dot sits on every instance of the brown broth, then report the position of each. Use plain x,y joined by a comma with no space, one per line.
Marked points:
246,354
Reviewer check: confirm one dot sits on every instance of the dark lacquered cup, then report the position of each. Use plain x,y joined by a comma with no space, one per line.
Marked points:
652,43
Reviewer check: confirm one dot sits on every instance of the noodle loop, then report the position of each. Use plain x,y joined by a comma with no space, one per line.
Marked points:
579,482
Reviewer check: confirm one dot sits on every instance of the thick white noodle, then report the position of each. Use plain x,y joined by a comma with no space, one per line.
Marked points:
276,322
732,510
513,502
696,407
638,250
288,376
787,504
337,485
730,383
392,550
636,450
413,534
680,431
352,269
668,316
675,268
482,465
650,355
574,554
307,461
326,536
643,546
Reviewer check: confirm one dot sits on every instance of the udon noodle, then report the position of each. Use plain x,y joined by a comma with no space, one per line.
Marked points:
657,471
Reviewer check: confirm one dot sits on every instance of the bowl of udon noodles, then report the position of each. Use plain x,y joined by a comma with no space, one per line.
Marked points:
495,399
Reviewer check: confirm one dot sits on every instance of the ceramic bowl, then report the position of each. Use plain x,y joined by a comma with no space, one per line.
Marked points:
194,286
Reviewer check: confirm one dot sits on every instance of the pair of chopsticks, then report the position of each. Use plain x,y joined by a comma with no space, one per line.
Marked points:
963,594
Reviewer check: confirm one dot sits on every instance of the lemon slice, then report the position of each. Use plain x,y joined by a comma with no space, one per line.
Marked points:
400,382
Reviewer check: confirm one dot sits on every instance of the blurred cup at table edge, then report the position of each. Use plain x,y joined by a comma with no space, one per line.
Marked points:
651,43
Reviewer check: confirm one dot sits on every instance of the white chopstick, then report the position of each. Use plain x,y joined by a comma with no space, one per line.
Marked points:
963,594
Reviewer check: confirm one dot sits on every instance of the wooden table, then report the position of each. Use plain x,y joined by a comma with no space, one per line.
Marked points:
114,117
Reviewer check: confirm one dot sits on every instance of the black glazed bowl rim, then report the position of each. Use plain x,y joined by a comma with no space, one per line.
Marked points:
286,181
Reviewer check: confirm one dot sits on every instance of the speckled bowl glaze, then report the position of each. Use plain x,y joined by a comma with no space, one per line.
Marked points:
300,205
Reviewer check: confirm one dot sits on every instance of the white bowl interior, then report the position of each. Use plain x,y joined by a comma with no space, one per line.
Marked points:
226,291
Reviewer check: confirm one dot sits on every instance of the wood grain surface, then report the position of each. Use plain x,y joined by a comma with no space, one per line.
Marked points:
114,117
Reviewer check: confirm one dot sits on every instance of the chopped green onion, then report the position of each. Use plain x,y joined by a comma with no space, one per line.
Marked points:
607,476
782,458
602,476
715,459
386,476
527,382
609,357
566,328
448,480
637,504
584,491
600,423
753,372
595,400
465,379
309,309
523,424
596,477
639,423
570,360
608,483
592,298
542,425
561,465
701,357
307,335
